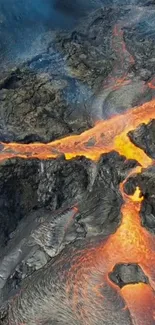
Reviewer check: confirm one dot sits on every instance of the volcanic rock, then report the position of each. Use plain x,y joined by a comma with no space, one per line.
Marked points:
140,40
30,184
144,138
58,91
35,108
124,274
23,26
146,183
56,215
100,207
38,200
90,57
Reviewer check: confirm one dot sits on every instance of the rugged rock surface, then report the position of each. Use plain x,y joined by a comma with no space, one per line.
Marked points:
34,197
144,138
146,182
22,25
124,274
58,91
27,185
35,108
30,184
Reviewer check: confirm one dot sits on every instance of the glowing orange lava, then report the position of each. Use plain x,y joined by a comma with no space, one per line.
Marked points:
141,302
151,84
88,276
108,135
131,243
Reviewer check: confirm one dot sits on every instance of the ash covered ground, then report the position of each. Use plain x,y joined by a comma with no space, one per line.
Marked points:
58,79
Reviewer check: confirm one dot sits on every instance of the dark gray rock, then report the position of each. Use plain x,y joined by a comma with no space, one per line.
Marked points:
31,184
37,216
58,90
35,108
87,50
144,138
22,25
26,185
146,182
139,38
49,285
100,207
123,274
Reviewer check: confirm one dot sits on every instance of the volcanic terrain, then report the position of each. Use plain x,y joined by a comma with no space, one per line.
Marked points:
77,174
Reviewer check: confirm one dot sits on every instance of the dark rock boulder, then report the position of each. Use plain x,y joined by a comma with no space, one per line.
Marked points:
123,274
146,183
144,138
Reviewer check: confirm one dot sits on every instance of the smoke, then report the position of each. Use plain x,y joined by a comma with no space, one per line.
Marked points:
23,22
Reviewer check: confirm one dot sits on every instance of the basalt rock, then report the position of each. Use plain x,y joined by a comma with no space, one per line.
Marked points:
139,38
124,274
50,204
34,107
87,49
90,56
144,138
146,183
100,207
49,279
27,185
59,91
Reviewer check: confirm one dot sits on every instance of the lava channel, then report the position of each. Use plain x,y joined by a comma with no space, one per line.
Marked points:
107,135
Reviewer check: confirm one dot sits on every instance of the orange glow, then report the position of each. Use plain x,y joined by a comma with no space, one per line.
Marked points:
151,84
109,135
131,243
87,277
140,300
136,197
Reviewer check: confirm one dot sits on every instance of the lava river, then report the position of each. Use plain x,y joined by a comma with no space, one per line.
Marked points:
131,243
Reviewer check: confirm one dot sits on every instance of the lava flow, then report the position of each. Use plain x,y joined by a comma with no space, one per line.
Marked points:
123,62
106,136
88,276
131,243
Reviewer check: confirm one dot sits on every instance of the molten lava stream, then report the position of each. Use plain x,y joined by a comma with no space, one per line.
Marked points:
107,135
140,300
88,277
131,243
119,75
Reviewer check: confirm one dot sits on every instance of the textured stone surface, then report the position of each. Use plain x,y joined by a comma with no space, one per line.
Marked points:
35,108
34,198
58,90
146,183
124,274
26,185
144,138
